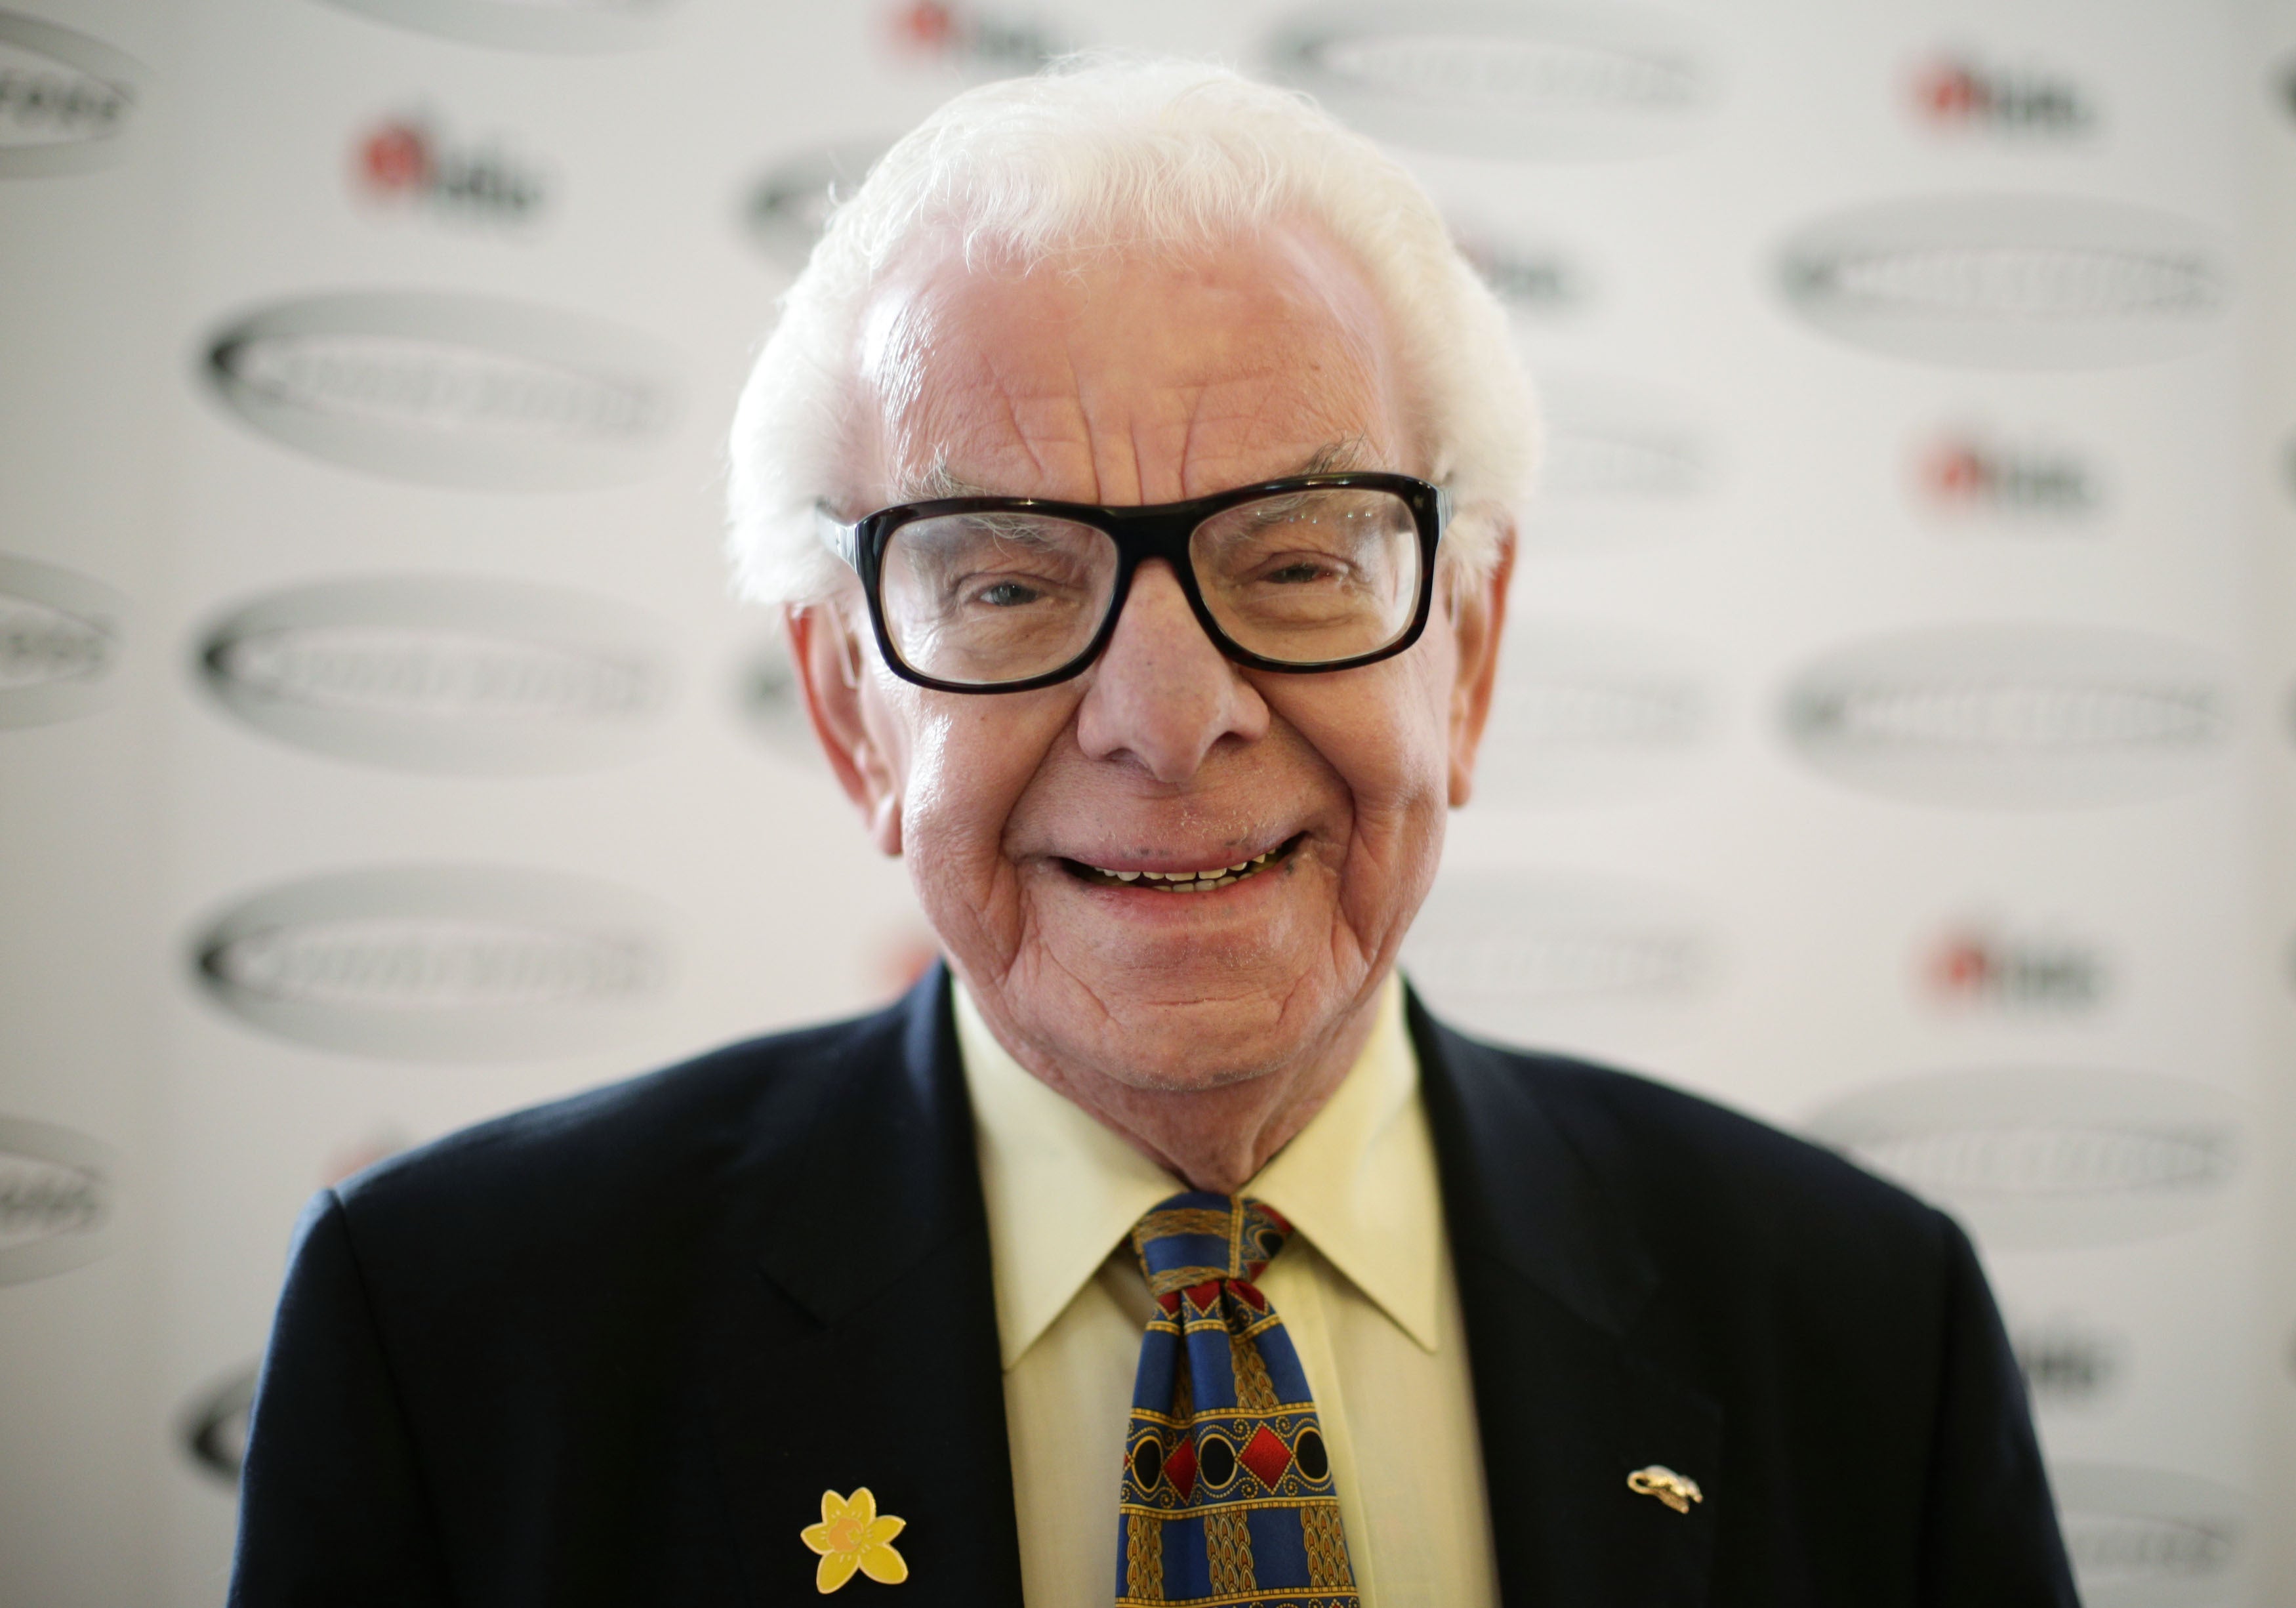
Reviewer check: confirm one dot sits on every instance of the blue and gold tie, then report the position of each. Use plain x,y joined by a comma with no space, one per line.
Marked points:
1227,1493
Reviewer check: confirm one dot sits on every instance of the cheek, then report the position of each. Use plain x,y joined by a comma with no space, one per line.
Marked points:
1390,746
964,763
1391,743
1401,811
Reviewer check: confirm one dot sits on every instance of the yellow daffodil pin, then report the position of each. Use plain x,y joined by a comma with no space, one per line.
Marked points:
851,1536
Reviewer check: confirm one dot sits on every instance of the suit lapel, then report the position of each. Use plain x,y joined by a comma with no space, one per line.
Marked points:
1556,1286
855,1339
858,1340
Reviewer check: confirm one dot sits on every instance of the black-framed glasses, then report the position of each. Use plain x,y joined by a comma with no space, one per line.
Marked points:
1000,593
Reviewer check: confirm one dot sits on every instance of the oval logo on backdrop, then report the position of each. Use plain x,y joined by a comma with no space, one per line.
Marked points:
441,963
1532,956
66,100
2014,715
556,25
59,642
1502,80
56,1199
2144,1537
791,203
448,674
1586,713
2009,280
2043,1158
450,390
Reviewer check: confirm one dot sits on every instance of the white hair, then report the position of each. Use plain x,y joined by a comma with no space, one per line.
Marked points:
1100,155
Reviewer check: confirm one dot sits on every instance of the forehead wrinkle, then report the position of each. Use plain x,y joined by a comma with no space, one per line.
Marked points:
1306,386
1339,455
894,341
1270,439
1247,407
982,439
977,426
1039,444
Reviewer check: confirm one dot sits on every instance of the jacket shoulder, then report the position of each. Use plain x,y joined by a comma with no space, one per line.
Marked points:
630,1164
1824,1319
1692,1169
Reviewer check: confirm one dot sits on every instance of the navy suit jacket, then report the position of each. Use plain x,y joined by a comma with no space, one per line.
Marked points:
612,1351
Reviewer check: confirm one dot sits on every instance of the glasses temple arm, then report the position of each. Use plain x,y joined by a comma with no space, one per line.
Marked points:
840,539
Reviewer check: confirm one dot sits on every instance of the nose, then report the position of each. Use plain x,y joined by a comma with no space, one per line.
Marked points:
1162,695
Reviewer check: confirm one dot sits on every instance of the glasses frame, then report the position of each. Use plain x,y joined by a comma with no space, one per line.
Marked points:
1140,532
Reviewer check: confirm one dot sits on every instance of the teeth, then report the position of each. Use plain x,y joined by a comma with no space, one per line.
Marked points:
1191,882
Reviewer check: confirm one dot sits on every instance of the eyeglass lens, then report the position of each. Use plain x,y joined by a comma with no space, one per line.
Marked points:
1304,577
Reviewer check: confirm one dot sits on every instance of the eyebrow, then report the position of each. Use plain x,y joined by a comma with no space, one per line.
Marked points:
1336,457
939,480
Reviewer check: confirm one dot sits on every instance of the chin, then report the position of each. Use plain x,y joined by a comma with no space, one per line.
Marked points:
1180,1047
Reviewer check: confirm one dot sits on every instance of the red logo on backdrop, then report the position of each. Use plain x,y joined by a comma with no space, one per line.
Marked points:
1956,472
1976,966
1964,473
1963,967
396,158
407,161
960,33
927,25
1948,93
1956,93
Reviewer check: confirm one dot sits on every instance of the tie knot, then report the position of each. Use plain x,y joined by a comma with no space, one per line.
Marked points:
1196,1238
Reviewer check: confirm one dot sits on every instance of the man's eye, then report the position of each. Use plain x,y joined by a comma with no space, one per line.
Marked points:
1007,594
1299,572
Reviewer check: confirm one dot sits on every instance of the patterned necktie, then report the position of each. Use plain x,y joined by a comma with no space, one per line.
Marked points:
1227,1493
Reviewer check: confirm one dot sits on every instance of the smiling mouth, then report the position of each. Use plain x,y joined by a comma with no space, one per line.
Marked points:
1185,882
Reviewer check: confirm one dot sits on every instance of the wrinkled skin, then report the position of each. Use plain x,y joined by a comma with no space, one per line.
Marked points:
1206,1028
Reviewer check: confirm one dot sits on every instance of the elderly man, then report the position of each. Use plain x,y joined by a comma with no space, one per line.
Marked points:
1134,462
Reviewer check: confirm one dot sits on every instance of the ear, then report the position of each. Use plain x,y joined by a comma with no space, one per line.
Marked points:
828,648
1478,609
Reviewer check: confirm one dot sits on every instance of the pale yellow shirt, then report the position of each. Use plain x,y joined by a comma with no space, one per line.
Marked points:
1364,1287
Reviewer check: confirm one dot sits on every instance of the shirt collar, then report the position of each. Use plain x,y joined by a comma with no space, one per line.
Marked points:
1062,1191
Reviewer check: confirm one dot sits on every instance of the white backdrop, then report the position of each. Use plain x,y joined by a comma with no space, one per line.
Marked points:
1896,737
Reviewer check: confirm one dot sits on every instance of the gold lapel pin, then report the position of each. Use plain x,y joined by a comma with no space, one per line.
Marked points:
1678,1491
852,1535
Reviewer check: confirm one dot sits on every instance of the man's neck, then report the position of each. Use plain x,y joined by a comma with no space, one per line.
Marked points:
1216,1138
